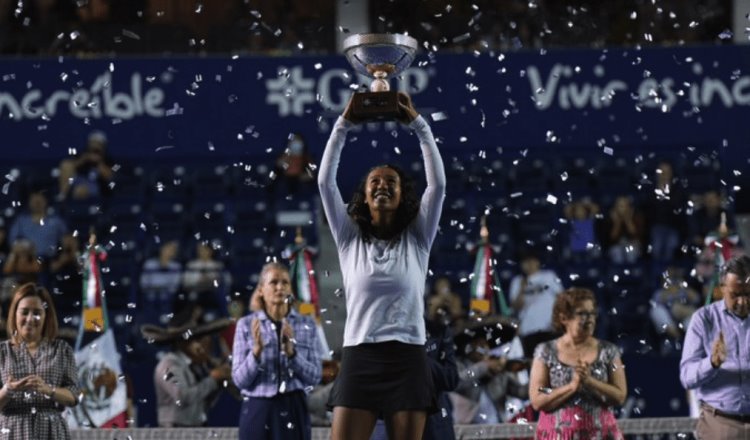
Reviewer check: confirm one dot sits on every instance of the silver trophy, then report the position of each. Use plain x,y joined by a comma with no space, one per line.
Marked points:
378,56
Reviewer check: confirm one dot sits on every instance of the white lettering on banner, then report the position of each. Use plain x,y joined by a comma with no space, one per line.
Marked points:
291,91
96,102
651,92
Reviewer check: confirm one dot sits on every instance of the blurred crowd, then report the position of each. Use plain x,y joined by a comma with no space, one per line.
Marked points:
85,27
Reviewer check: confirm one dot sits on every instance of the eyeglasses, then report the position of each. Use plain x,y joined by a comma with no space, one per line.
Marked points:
586,315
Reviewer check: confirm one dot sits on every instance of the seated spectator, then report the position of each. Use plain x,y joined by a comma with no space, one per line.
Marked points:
88,174
205,279
666,216
623,231
43,230
719,245
707,217
292,166
65,269
581,215
160,282
21,267
673,304
532,294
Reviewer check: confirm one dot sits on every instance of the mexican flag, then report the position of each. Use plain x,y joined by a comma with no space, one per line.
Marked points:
486,294
305,288
104,403
304,284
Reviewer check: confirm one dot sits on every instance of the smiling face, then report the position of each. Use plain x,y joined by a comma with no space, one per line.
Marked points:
582,322
383,189
275,287
30,317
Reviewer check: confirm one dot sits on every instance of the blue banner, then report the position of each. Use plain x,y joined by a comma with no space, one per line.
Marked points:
610,100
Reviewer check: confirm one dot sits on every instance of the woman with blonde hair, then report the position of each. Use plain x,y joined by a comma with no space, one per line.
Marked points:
275,362
38,371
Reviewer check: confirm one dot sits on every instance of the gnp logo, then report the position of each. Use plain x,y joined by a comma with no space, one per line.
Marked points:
291,91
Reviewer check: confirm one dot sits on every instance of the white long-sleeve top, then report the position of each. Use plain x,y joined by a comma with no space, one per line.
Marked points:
383,283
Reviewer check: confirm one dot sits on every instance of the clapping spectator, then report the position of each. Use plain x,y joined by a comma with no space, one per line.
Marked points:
88,174
44,230
707,218
624,232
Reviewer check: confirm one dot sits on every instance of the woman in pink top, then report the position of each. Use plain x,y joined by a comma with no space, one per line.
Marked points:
576,378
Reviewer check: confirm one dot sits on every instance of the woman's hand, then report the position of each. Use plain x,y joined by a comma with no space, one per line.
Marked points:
287,338
582,370
31,383
18,385
407,112
257,338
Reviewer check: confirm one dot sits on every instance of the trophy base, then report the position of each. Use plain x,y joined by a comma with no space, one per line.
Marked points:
375,106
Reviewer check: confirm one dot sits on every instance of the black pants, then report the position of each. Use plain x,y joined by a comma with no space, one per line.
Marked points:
282,417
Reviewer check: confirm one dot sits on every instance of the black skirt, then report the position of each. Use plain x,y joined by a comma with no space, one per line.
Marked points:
384,378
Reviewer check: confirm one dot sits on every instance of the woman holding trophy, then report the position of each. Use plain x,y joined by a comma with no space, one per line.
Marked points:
383,237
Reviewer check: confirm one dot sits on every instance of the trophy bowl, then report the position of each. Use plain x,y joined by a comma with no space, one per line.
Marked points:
378,56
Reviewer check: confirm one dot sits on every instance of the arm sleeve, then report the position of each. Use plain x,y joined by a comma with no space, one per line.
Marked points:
695,365
432,200
173,379
244,365
469,377
515,288
444,370
69,378
306,362
333,204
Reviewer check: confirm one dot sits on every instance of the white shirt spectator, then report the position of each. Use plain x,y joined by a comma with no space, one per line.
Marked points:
539,296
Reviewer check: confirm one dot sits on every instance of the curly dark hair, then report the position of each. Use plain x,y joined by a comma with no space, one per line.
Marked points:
405,213
566,303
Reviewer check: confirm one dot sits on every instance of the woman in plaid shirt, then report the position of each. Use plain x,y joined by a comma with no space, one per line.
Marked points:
38,372
275,362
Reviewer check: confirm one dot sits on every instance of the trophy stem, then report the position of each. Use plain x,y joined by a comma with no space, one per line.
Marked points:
380,83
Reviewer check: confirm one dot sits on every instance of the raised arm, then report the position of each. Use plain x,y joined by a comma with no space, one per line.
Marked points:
432,199
333,204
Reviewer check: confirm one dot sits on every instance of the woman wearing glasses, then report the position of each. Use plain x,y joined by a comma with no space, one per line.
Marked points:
576,378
